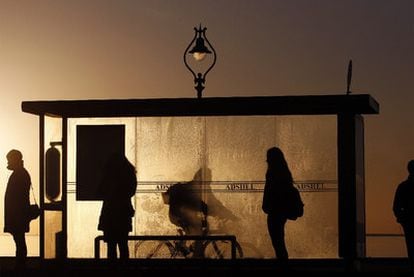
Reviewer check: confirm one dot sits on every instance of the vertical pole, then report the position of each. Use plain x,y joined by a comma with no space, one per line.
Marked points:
64,187
360,185
351,186
41,186
233,247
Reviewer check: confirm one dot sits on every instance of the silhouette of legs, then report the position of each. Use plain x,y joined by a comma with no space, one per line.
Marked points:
21,249
276,227
117,240
111,250
123,249
409,240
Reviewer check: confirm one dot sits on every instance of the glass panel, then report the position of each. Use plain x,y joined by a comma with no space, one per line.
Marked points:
223,160
52,186
310,146
236,160
236,151
83,216
53,228
386,245
225,156
169,150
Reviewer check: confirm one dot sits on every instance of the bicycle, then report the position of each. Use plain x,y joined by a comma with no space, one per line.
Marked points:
209,248
190,214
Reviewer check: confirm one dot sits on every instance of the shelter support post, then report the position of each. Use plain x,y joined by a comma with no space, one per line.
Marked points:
351,186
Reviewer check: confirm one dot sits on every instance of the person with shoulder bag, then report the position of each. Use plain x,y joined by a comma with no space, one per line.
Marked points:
277,201
16,205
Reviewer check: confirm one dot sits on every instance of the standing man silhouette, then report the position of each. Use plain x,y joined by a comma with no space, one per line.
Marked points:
16,205
278,182
403,208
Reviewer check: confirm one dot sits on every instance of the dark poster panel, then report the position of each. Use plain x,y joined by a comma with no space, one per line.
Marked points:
94,145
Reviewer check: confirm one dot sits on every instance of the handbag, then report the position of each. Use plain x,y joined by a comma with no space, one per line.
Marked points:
295,204
34,209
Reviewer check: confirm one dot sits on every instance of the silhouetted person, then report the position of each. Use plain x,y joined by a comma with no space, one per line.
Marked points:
403,208
16,205
187,210
278,183
118,185
191,203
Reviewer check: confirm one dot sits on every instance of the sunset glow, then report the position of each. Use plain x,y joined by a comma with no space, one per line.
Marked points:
60,50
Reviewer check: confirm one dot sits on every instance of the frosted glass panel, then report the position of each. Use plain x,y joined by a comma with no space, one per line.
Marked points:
83,216
53,227
236,153
52,219
225,156
169,150
224,159
236,147
82,230
309,143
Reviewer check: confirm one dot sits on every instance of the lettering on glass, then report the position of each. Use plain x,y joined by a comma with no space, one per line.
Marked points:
236,186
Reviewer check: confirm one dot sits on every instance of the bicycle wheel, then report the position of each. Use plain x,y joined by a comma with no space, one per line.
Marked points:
157,250
221,249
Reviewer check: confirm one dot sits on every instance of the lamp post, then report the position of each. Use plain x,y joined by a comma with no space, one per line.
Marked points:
199,52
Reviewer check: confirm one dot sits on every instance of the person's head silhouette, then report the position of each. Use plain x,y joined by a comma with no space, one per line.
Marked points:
277,165
275,156
14,159
410,167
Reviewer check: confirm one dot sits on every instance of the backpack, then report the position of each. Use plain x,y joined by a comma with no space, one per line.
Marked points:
295,204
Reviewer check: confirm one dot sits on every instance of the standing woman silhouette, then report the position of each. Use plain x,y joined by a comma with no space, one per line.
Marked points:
278,183
118,186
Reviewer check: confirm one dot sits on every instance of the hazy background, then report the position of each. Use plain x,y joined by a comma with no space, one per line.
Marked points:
133,49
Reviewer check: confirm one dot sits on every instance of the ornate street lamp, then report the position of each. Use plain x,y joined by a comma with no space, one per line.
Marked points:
199,52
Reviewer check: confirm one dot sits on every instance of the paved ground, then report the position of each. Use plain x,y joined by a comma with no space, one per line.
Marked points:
215,268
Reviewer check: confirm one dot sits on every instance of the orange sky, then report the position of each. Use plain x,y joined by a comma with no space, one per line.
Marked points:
133,49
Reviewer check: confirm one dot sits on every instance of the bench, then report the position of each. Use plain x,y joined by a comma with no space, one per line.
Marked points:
230,238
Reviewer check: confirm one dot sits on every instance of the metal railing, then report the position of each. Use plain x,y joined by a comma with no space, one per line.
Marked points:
230,238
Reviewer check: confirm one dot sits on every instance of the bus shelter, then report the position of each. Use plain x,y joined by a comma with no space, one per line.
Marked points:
221,144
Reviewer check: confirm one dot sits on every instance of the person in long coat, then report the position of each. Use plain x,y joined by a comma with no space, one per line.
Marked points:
16,204
118,186
278,183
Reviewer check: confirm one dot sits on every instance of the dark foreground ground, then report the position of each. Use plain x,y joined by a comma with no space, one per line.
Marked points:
215,268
